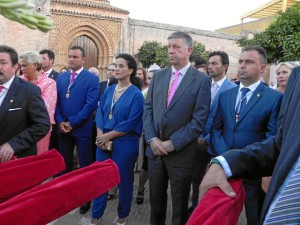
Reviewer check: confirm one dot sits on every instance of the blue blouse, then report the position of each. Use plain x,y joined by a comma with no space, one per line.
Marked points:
127,112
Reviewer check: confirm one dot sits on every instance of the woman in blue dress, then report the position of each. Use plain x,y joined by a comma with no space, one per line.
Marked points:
119,119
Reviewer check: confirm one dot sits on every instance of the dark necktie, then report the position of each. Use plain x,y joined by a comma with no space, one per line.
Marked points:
242,103
287,208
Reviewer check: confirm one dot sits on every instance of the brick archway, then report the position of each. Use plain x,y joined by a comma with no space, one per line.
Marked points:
70,31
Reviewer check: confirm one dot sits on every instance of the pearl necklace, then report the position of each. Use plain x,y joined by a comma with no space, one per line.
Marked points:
121,89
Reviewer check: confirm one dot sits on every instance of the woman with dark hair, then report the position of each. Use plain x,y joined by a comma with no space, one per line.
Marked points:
119,127
141,73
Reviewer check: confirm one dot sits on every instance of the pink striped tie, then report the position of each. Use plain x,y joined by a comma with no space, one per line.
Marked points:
73,76
173,86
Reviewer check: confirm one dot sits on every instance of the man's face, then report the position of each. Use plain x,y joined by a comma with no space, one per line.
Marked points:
215,67
75,59
111,71
47,63
178,52
7,70
250,69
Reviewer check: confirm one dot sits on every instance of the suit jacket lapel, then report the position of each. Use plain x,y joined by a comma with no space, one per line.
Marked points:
185,82
258,93
165,86
232,103
9,100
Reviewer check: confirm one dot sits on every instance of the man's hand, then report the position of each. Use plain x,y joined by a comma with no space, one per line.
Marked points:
6,152
168,146
215,177
156,147
64,127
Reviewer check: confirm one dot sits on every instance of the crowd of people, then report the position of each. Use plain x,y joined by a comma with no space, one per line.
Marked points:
186,118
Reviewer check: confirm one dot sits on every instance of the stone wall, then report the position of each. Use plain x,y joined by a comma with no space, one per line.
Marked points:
140,31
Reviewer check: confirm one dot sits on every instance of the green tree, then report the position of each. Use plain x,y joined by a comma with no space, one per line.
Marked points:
154,52
199,51
147,53
282,38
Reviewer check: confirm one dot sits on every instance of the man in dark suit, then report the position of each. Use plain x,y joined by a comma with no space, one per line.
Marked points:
279,155
172,126
111,71
242,120
48,60
77,99
24,119
218,63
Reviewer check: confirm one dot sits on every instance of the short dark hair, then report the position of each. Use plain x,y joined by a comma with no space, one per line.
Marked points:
78,48
223,55
261,51
182,35
198,61
49,53
12,53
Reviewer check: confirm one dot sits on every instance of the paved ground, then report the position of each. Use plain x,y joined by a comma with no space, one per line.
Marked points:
139,213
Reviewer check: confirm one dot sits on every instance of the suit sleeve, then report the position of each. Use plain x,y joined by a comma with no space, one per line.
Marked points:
256,160
218,145
150,131
196,126
273,123
57,115
38,120
91,102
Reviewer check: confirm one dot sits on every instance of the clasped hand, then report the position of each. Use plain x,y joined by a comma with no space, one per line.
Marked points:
101,141
161,147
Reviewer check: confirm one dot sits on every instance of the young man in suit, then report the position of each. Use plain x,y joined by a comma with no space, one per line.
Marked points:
77,99
243,118
111,71
48,60
278,155
175,114
218,63
24,119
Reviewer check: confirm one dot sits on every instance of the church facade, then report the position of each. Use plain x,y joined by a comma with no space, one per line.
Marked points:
103,31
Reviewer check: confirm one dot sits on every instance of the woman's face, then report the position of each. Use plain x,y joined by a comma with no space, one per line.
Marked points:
282,75
122,70
28,70
149,77
140,75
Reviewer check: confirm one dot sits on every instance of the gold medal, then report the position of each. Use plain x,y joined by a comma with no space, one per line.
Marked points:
110,116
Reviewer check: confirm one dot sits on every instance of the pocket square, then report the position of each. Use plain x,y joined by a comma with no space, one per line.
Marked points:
14,109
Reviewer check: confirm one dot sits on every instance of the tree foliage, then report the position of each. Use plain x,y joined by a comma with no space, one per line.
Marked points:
282,38
154,52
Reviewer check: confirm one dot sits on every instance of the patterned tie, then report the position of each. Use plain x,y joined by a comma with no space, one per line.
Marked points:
73,76
1,88
287,208
214,90
243,98
173,86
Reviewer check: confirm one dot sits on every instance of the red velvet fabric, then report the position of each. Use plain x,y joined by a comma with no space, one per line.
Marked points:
52,200
22,174
216,208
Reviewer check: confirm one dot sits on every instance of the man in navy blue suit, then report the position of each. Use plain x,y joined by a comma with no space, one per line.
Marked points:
218,63
77,99
247,114
278,156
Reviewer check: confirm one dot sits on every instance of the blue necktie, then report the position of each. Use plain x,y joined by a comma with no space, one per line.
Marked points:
243,98
287,208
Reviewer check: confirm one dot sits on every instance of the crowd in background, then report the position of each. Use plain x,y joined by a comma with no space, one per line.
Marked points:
179,119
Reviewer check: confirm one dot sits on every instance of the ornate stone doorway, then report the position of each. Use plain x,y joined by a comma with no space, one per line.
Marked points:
91,50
